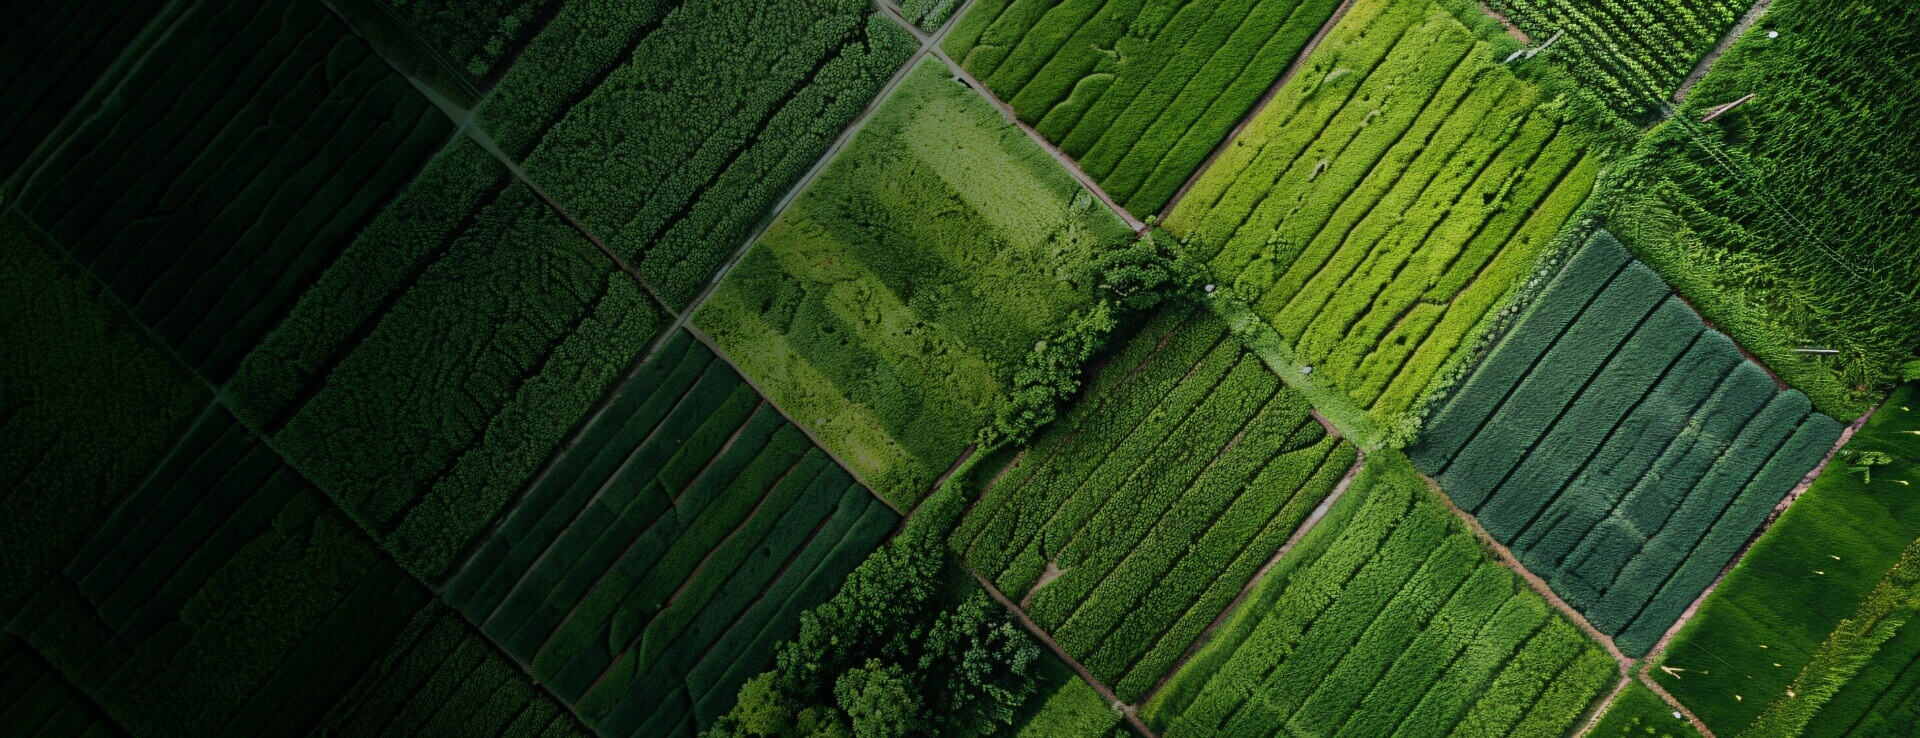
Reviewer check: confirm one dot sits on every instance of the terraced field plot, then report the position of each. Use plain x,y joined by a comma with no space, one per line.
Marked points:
1383,205
261,606
1139,93
674,544
1632,54
1816,567
1130,526
670,130
208,190
1389,618
890,304
1621,448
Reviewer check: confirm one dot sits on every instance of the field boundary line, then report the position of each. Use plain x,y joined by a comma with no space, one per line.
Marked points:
1306,526
1130,712
1259,106
1673,702
1705,63
1539,586
1600,711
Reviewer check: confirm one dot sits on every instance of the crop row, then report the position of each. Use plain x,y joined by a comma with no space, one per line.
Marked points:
1629,52
1388,619
226,594
478,37
229,168
1620,447
1388,199
36,701
1139,93
89,407
670,129
1811,571
1131,525
55,51
889,306
674,544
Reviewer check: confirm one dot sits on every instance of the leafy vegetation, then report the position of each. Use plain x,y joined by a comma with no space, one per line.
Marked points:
479,38
1787,219
1127,528
671,130
1639,713
1139,93
87,404
1623,450
889,308
1630,53
1803,580
1396,191
1389,618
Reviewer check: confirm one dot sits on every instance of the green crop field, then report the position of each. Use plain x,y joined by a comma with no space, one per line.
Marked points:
1388,199
887,308
1622,449
1127,529
959,368
1811,571
1389,618
1139,93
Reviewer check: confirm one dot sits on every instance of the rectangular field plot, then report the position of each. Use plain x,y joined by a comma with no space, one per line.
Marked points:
1631,53
53,51
431,370
36,701
675,544
889,305
1131,524
1620,447
1387,200
226,594
229,167
1139,93
1388,619
671,129
1816,567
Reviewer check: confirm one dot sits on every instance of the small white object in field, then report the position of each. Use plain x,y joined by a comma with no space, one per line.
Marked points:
1676,714
1209,289
1773,34
1306,370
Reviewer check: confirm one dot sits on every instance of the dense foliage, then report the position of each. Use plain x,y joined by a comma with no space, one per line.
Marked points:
890,306
1389,618
477,36
1631,53
1393,194
1139,93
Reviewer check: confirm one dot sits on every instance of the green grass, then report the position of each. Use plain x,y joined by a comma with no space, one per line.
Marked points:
1154,501
1639,713
1389,200
1811,570
1139,93
1622,449
1785,226
90,404
671,132
888,306
1388,618
1630,53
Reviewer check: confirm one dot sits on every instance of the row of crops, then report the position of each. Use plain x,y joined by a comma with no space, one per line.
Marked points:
1389,618
1629,53
35,700
890,304
1138,93
1133,523
1386,201
1623,450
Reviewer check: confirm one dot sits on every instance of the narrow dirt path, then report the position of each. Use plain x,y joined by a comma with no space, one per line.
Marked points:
1706,63
1600,710
1512,30
1675,704
1132,714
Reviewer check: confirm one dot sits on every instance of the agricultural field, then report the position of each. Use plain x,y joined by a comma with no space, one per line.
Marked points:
1132,524
36,701
1621,448
1639,713
1138,93
1389,618
1393,194
53,50
1812,571
889,305
1788,219
1631,54
671,130
675,543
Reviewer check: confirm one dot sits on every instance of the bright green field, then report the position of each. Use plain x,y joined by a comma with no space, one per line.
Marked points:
1638,713
886,308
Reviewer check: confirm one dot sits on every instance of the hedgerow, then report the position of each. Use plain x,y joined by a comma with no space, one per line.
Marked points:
670,133
1396,191
1851,531
890,306
1139,93
1387,619
1621,448
208,192
91,405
